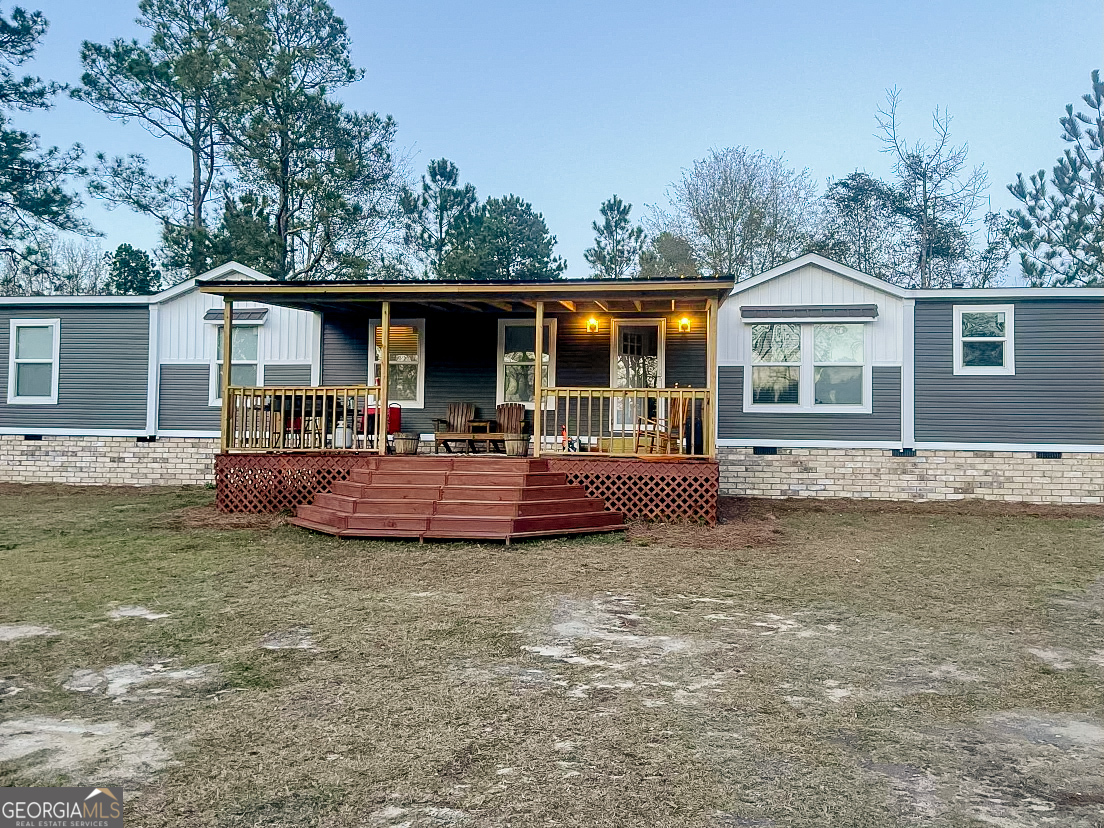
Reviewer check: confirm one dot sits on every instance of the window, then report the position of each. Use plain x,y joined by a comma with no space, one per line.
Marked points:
517,359
33,357
984,339
244,364
808,367
776,373
405,361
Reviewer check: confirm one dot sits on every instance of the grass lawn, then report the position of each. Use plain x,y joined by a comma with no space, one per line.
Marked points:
796,666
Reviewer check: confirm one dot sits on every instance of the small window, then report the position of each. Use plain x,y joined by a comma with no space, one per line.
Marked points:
405,361
776,372
33,357
244,362
517,359
984,340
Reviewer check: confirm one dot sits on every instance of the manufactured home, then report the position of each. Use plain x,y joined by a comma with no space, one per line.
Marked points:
811,379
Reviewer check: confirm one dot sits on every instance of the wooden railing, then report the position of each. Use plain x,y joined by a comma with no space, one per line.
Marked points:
625,421
338,418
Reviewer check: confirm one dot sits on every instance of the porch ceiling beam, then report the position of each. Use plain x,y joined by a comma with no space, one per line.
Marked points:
602,306
639,305
505,306
568,304
471,306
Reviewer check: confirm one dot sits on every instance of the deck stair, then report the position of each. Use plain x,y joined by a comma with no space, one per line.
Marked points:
490,498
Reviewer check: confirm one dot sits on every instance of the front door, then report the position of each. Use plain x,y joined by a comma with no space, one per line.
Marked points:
637,363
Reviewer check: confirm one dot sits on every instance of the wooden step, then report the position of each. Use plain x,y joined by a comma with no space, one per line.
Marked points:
398,462
517,493
498,464
554,523
505,526
395,507
464,478
323,517
404,523
335,502
511,508
363,491
409,478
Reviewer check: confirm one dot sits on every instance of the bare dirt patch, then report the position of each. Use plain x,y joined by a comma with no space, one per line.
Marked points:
208,517
119,613
14,632
134,682
296,639
81,751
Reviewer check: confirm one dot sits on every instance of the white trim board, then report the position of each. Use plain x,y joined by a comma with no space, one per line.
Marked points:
842,444
1062,447
165,432
881,444
75,432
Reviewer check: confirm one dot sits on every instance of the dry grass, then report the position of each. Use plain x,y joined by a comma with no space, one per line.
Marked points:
792,667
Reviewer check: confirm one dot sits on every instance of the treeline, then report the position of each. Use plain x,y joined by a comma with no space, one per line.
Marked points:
286,179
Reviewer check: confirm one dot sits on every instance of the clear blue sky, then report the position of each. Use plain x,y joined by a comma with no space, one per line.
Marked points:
567,103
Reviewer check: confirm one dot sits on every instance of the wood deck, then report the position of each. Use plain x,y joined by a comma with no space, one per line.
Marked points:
486,498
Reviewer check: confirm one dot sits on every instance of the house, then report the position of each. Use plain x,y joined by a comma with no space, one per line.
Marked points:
811,379
124,389
834,383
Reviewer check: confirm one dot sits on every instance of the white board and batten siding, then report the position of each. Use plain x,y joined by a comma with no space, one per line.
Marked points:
812,285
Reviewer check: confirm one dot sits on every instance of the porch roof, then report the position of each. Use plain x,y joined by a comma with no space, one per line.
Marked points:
581,295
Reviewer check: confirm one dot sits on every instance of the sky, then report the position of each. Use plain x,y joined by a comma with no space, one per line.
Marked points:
568,103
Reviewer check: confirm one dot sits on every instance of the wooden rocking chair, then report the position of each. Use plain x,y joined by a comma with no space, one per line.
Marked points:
662,435
455,428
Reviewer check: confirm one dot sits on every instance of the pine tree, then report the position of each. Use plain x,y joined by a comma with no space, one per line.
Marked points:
429,215
33,198
1060,231
131,273
617,243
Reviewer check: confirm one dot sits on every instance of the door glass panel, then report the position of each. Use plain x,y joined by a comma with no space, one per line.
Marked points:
637,357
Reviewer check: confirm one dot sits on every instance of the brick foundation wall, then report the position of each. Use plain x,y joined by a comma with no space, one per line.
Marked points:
1014,476
108,461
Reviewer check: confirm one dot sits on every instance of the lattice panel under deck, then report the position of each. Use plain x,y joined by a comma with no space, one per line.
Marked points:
271,483
647,490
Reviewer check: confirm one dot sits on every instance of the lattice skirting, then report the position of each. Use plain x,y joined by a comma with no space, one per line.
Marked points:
648,490
274,482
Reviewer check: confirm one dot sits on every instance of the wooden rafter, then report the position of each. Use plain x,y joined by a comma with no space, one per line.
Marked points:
568,304
639,305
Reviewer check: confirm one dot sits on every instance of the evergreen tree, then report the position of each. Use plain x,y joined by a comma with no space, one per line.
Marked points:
33,198
617,243
170,85
1060,232
429,215
131,273
504,239
668,256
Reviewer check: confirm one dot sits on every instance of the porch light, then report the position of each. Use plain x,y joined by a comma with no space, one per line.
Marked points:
684,325
592,325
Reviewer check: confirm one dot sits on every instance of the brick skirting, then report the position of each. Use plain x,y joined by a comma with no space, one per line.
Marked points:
108,461
1013,476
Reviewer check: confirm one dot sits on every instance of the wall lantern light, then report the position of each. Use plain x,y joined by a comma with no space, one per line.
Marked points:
592,325
684,325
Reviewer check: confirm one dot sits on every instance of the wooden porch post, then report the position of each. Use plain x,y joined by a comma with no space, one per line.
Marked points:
711,384
384,376
227,344
538,379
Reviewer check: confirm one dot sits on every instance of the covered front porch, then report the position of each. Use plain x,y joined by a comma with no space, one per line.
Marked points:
627,377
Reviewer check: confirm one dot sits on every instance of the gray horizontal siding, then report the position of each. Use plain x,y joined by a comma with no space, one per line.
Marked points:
1055,396
293,375
344,349
462,351
103,370
883,423
184,393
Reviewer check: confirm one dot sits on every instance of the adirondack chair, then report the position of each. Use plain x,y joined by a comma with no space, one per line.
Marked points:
455,427
509,419
662,435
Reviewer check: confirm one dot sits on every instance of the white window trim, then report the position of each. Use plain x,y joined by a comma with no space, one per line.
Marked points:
616,323
55,361
805,391
1009,367
214,392
419,324
500,360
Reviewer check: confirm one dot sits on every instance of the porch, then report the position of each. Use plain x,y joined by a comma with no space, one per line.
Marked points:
624,399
